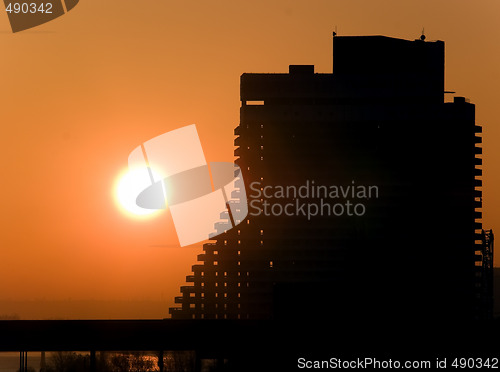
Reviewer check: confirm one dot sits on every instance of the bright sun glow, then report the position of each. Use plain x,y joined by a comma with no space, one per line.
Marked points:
127,187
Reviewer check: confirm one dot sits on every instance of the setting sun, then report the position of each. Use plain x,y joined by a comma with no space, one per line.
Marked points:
128,186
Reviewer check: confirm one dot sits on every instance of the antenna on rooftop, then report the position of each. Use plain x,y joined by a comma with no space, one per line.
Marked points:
422,37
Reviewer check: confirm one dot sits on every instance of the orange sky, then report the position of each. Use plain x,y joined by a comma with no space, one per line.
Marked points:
79,93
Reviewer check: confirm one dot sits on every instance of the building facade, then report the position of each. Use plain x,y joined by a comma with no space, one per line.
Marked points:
364,196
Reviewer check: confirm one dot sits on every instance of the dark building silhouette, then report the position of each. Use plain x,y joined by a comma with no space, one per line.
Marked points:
415,250
496,293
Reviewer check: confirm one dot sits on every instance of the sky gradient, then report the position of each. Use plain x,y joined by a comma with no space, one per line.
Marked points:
79,93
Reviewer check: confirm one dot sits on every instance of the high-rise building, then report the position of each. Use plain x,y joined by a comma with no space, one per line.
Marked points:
364,195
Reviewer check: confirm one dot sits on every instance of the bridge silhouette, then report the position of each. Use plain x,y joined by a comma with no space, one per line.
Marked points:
241,345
